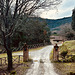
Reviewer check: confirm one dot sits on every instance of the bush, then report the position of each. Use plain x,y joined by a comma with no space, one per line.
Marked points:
64,53
13,73
73,58
71,73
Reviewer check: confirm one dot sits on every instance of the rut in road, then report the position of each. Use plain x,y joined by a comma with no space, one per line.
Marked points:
41,62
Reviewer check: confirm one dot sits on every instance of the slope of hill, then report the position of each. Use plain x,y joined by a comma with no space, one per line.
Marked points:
53,23
70,46
58,22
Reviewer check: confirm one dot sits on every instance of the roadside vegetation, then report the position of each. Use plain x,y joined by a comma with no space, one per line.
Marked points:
18,68
68,46
68,51
67,64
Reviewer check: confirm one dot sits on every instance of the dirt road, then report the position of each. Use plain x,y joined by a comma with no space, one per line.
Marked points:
41,62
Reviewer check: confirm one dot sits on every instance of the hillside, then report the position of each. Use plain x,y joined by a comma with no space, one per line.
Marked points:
53,23
58,22
66,46
70,46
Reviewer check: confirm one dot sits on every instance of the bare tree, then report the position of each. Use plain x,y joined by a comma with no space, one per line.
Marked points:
11,11
66,31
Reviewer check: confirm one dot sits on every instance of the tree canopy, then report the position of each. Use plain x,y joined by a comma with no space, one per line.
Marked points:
32,31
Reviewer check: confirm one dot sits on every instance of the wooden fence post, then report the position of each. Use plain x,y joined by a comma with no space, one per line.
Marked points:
19,59
5,60
1,61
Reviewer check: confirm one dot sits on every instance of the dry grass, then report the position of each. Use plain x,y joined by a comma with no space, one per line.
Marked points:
19,69
64,68
51,55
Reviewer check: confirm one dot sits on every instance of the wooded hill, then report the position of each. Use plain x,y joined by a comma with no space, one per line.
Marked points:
53,23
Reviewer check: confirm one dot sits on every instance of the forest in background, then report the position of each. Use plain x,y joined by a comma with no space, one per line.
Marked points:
53,23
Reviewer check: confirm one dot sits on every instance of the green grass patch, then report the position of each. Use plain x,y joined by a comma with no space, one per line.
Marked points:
51,55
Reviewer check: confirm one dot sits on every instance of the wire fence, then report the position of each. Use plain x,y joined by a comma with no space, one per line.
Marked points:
21,47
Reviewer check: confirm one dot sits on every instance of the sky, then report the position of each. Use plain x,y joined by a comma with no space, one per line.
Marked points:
63,10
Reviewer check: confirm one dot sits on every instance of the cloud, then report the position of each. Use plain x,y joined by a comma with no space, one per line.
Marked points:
64,10
64,13
49,14
68,4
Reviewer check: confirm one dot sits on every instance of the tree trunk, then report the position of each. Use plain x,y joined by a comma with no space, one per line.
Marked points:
9,56
6,41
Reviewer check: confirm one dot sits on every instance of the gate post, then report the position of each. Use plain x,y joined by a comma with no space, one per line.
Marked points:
25,53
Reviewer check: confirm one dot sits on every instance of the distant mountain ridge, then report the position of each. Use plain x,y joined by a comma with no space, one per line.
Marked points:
53,23
58,22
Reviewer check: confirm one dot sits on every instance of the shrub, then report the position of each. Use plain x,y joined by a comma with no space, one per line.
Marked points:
13,73
64,53
73,58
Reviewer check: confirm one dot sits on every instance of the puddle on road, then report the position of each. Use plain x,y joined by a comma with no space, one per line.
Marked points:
41,61
35,60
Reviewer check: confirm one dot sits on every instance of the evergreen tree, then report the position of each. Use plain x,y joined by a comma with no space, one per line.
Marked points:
73,19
